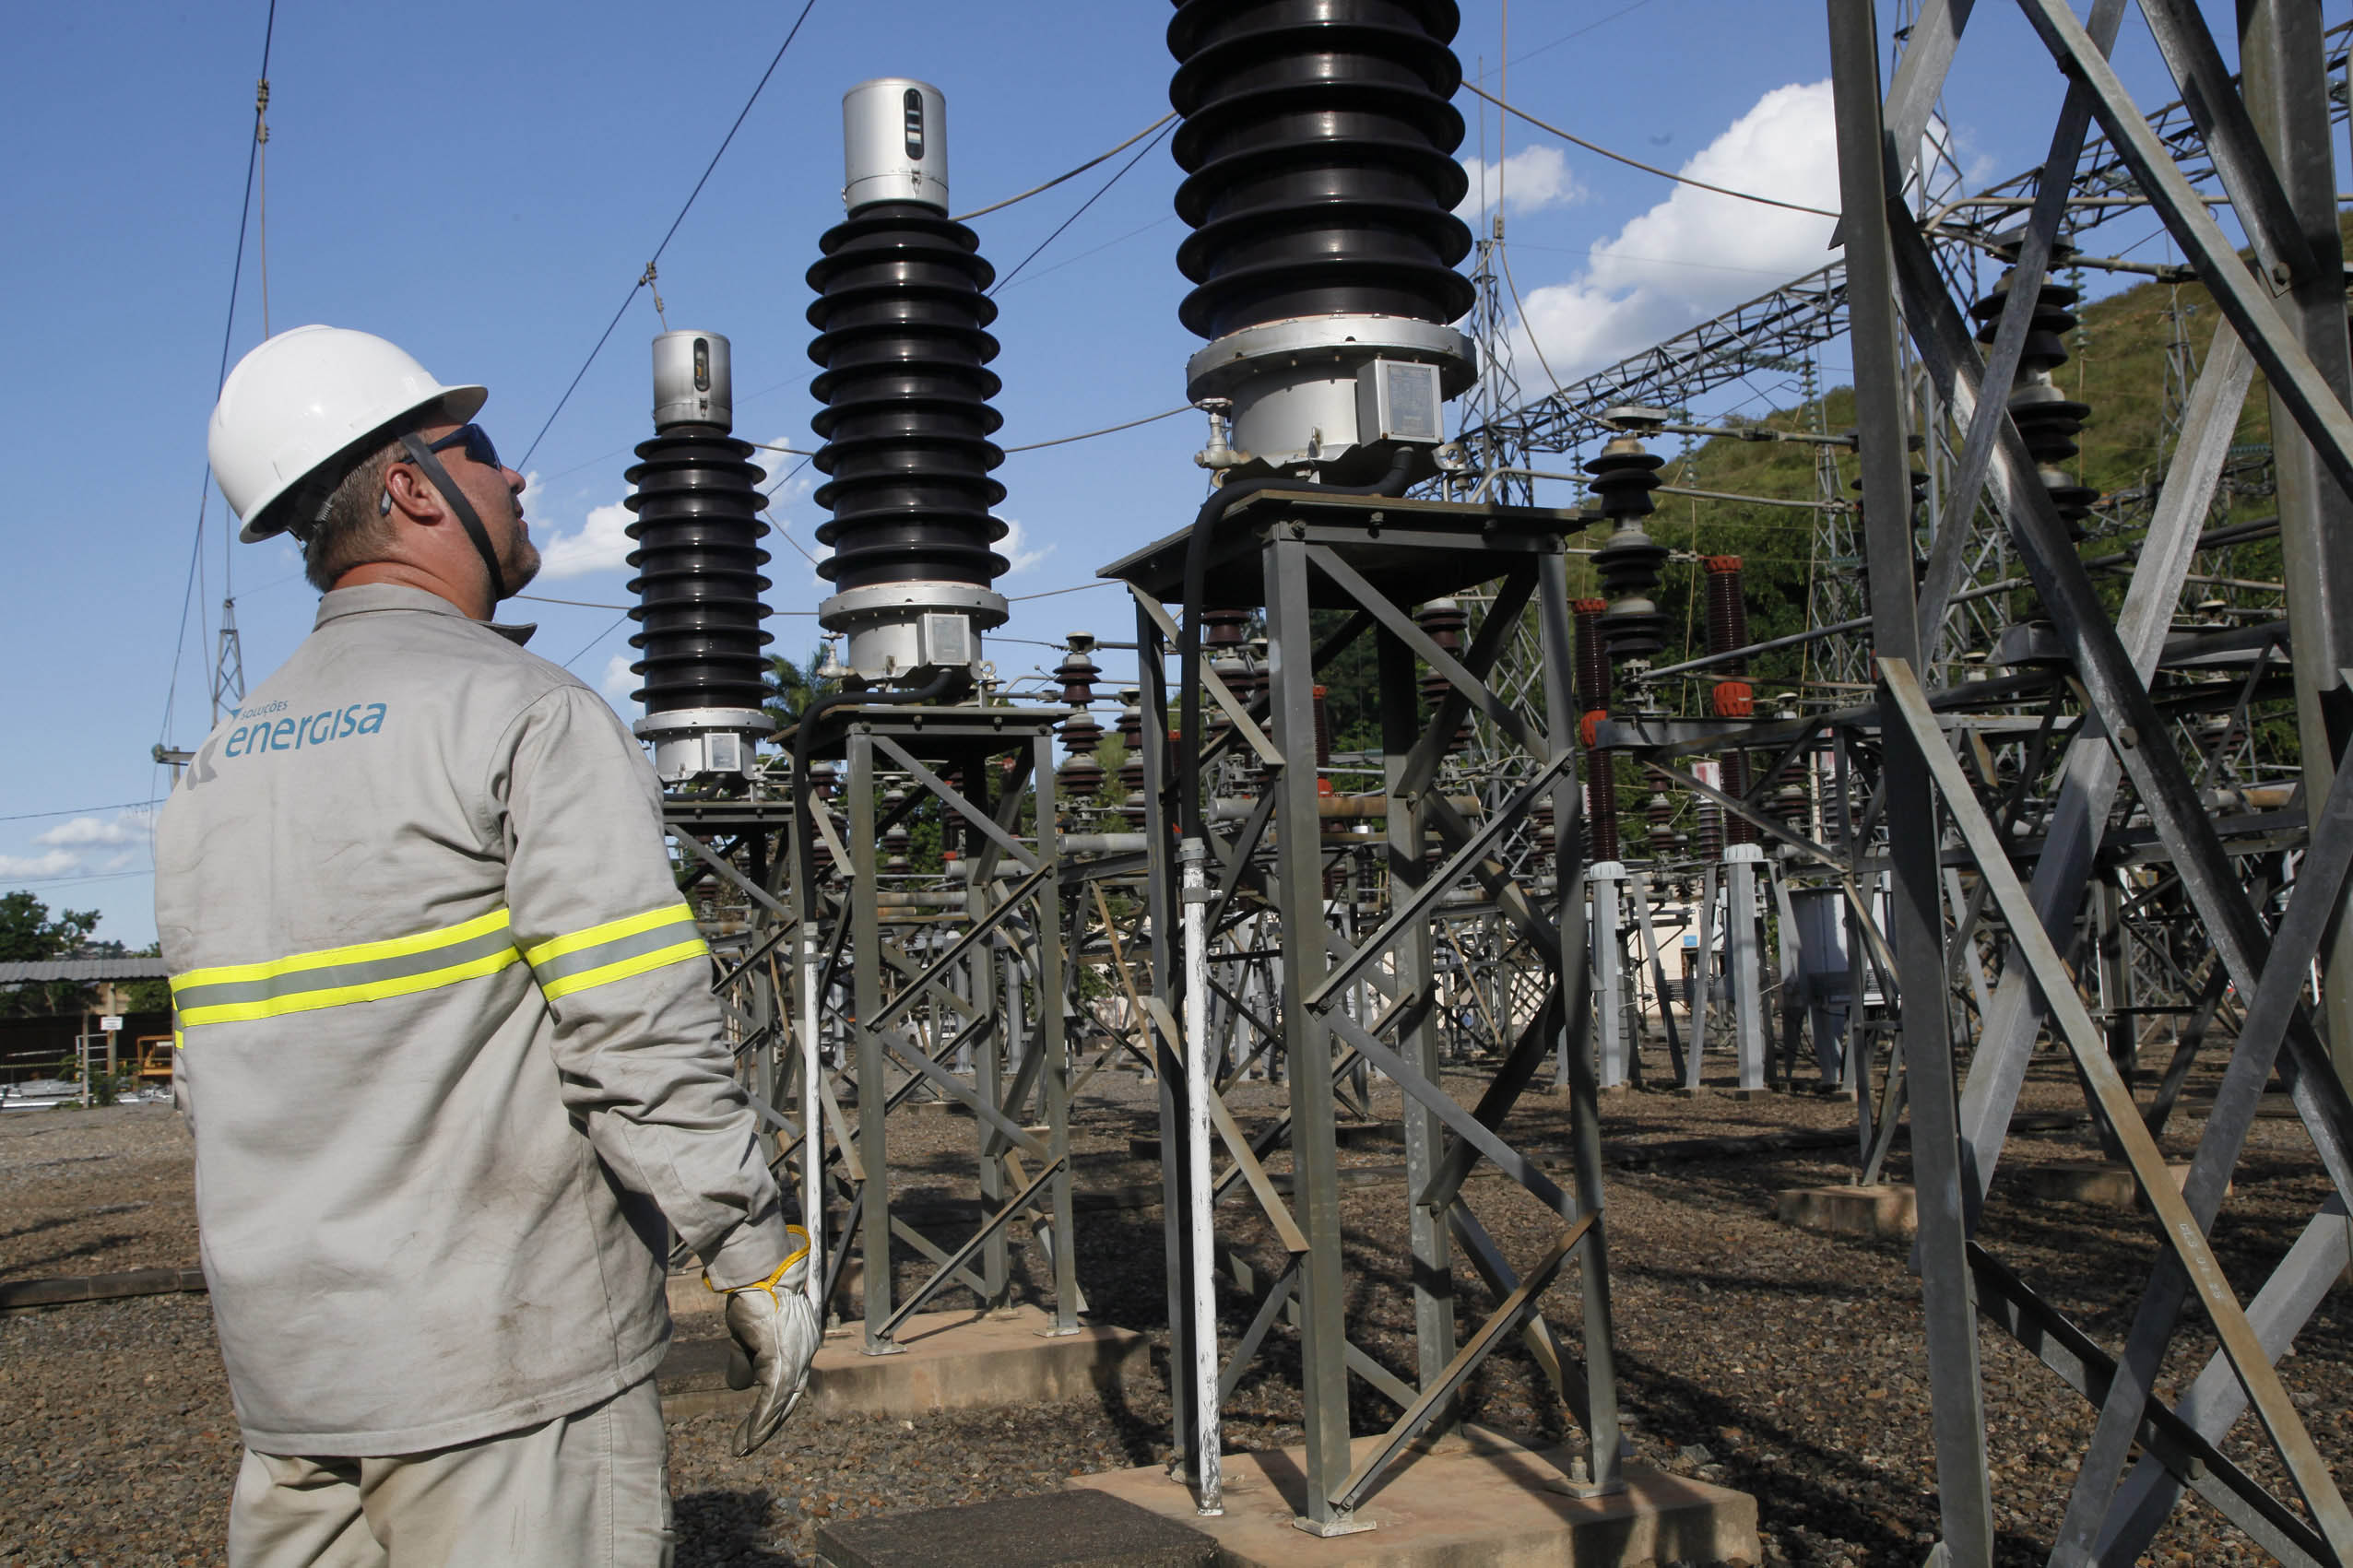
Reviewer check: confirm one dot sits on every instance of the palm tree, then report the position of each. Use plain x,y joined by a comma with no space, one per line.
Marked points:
796,685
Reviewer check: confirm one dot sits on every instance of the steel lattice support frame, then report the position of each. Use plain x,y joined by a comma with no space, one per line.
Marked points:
1291,553
947,1013
2262,146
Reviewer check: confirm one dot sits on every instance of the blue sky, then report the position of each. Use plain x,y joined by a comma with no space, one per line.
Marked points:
482,184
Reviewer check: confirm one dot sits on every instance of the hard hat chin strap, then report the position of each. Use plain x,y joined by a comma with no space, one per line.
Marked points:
422,455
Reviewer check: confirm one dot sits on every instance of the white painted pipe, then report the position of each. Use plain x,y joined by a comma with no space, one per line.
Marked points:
1200,1073
812,1148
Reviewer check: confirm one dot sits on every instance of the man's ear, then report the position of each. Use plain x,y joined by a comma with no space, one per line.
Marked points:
413,496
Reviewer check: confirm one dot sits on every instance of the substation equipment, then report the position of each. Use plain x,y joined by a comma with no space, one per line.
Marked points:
1982,776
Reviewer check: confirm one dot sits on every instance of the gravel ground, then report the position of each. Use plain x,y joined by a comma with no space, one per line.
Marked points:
1780,1363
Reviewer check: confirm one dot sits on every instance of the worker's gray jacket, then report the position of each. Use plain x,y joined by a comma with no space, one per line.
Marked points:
447,1046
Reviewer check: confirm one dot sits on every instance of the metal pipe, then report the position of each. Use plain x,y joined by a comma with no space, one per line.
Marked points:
1199,1069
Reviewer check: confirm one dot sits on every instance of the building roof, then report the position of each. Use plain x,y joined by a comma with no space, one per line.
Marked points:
124,966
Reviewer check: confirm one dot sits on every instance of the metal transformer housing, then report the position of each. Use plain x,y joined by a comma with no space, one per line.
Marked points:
1318,146
698,558
894,144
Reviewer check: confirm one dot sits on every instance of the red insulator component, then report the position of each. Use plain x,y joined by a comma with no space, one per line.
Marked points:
1733,699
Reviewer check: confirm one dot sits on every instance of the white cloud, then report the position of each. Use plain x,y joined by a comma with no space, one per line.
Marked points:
120,859
1529,181
1696,254
131,827
56,863
599,545
1014,547
617,683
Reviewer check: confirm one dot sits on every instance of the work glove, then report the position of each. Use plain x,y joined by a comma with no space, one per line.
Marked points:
777,1333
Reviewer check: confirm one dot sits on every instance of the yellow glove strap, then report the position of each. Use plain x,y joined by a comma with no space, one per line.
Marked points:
769,1283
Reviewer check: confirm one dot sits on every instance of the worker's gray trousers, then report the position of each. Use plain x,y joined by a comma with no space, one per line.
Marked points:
589,1490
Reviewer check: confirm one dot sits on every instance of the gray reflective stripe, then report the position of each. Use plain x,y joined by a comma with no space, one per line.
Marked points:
653,939
335,977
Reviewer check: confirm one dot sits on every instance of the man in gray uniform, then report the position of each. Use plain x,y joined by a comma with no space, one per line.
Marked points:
447,1041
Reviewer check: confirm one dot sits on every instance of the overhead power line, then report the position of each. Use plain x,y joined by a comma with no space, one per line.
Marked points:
1638,163
646,277
1085,205
1072,174
228,336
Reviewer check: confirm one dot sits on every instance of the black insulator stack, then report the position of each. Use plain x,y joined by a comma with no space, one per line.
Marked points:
1624,476
1444,621
698,560
2047,418
901,317
1318,146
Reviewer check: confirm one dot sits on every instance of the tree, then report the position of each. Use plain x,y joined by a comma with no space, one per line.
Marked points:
796,685
27,933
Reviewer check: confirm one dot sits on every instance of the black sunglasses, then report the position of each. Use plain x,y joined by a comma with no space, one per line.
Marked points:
476,442
473,438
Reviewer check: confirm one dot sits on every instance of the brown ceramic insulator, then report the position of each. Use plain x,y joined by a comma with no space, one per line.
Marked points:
1707,843
1225,627
1591,656
1662,813
1727,610
1444,621
1601,806
1078,674
1081,733
1323,731
1079,781
1737,829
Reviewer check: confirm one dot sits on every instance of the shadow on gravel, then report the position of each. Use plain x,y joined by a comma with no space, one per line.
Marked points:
32,1265
726,1526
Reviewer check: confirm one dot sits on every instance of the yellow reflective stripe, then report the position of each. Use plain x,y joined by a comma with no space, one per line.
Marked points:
660,958
630,925
360,952
335,996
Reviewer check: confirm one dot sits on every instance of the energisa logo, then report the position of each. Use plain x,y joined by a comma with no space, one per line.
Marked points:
294,734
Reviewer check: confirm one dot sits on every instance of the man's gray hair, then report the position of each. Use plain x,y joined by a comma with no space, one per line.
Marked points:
352,529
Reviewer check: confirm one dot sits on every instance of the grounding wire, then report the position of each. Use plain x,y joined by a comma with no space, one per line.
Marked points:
1035,190
645,276
228,335
1638,163
1105,186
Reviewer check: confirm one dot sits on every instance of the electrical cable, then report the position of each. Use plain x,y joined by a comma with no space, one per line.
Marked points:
75,811
1108,430
1107,185
228,335
1036,190
645,276
1638,163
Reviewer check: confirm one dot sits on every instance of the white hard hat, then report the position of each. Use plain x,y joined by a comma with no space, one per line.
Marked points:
301,401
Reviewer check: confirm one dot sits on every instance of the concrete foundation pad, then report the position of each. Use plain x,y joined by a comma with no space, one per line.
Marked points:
1478,1500
1057,1529
2090,1180
948,1361
1885,1209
